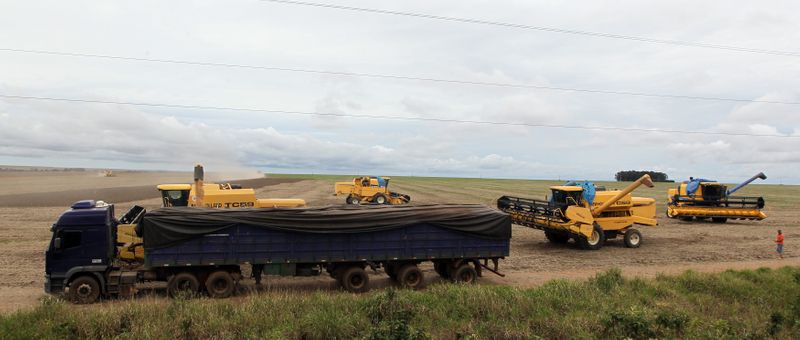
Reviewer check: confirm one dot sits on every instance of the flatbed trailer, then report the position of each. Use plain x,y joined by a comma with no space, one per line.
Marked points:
202,251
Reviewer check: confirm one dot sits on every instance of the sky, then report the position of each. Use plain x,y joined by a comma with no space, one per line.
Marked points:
249,32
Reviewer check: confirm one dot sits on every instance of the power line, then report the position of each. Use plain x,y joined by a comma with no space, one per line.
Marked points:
541,28
401,118
392,76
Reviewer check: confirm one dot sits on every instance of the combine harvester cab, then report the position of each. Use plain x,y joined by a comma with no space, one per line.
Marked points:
579,211
369,189
700,199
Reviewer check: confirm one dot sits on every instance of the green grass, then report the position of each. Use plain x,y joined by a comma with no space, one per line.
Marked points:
759,303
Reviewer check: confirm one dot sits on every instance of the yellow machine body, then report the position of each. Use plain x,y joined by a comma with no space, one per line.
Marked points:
711,201
369,189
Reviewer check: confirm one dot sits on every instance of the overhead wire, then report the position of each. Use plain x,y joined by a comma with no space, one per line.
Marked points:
391,76
387,117
539,28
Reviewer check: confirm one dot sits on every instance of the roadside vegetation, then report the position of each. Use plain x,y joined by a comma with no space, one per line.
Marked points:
759,303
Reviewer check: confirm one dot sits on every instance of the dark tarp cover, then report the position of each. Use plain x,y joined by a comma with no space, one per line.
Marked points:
167,226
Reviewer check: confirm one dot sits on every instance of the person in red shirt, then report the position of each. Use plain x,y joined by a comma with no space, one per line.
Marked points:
779,243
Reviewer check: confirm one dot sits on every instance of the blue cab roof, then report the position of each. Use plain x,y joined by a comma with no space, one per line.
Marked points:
86,213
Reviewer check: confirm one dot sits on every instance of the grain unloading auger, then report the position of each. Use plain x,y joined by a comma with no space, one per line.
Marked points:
588,216
702,198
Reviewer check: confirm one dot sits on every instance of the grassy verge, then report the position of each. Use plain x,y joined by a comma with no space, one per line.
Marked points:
734,304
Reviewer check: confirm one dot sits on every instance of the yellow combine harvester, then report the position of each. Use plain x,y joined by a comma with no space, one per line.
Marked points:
700,199
198,194
369,189
580,212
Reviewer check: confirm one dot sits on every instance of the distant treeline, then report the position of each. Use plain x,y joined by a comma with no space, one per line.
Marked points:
632,175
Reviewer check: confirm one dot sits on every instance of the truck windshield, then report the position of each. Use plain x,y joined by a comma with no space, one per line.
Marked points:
175,198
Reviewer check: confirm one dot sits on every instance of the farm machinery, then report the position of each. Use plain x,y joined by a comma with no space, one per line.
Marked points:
198,194
369,189
700,198
580,212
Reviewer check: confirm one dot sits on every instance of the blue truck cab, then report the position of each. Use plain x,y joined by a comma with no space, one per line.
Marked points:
81,249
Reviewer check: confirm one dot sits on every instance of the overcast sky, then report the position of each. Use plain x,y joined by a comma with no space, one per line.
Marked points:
251,32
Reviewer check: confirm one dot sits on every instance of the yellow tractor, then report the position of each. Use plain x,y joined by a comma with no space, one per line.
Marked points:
701,199
579,211
198,194
369,189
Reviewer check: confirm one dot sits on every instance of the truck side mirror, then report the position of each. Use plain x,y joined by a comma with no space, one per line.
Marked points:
57,243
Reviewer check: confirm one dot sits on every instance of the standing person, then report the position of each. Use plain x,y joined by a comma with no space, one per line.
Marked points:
779,244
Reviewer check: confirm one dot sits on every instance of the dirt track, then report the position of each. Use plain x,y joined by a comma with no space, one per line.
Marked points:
671,247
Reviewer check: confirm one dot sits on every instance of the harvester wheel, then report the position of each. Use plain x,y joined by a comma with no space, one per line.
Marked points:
633,238
556,237
84,290
719,219
352,200
185,283
409,276
441,269
220,284
355,280
465,274
379,198
596,241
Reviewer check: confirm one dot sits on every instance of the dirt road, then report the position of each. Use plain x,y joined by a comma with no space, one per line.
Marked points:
672,247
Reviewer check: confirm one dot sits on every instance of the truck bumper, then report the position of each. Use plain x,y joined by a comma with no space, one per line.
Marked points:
53,285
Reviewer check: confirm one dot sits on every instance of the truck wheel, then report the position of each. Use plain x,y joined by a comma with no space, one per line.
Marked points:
379,198
465,274
355,280
84,290
352,200
556,237
633,238
182,283
220,284
441,269
596,241
719,219
409,276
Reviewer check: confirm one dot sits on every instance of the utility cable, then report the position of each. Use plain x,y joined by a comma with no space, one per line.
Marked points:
392,76
401,118
540,28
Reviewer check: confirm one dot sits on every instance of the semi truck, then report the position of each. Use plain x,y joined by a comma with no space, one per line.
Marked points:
202,250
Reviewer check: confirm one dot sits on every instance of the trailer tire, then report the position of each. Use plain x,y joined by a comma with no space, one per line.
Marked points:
182,282
441,268
465,274
220,284
556,237
719,219
633,238
596,241
354,200
355,280
409,276
379,199
84,290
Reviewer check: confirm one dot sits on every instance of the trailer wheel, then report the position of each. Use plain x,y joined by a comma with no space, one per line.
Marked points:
596,241
379,199
409,276
182,283
84,290
719,219
556,237
465,274
352,200
355,280
633,238
220,284
441,269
